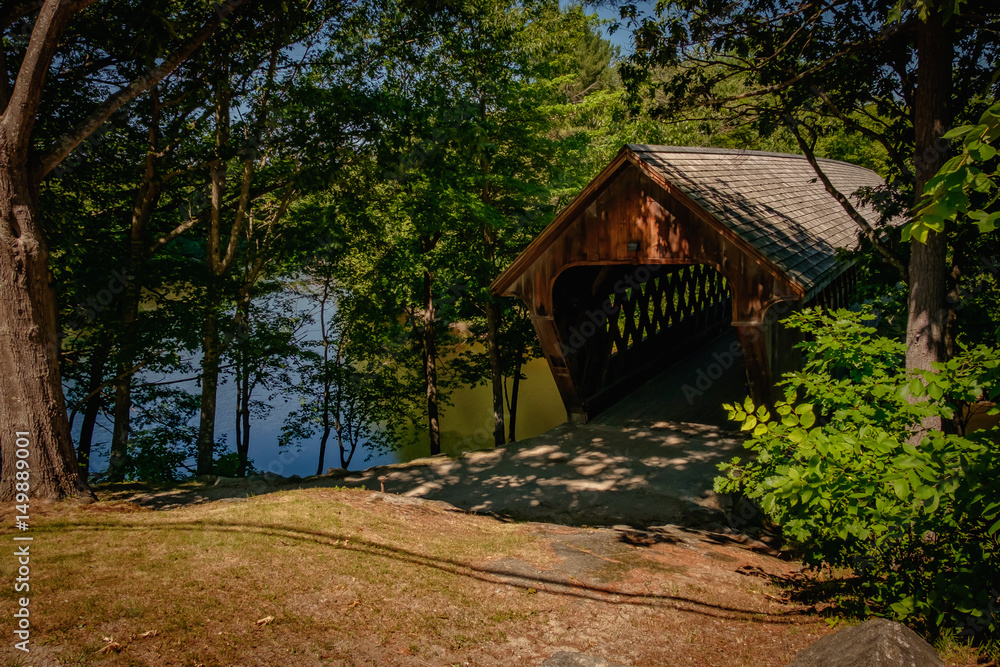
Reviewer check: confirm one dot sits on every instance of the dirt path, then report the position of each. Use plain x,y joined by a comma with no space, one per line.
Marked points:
640,475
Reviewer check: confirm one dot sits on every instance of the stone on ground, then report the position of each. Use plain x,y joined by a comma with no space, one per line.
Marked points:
875,643
569,659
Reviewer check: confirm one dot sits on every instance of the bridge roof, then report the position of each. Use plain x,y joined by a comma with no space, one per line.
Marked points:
773,202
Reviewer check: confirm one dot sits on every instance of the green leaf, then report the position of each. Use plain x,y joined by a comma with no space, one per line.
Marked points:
960,131
983,152
987,222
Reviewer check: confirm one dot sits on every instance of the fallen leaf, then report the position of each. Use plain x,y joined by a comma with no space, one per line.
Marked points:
265,620
111,647
151,633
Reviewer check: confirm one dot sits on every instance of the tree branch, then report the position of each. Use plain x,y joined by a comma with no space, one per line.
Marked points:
845,203
858,127
21,109
65,144
818,67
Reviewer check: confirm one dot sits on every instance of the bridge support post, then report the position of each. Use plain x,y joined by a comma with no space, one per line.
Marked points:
555,354
756,358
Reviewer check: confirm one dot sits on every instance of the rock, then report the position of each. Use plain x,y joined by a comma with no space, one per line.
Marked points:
208,479
273,478
229,481
295,478
336,471
875,643
568,659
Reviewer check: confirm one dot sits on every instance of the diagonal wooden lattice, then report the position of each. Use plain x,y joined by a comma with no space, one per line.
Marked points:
839,293
695,294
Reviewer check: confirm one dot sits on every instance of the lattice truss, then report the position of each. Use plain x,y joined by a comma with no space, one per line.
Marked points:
668,298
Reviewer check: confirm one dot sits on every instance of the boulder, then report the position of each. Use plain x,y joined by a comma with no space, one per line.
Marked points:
570,659
875,643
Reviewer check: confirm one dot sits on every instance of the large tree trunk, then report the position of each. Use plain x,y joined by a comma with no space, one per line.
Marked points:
927,324
430,366
98,361
32,407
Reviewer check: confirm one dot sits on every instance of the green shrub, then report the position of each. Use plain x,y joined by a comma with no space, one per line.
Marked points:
837,469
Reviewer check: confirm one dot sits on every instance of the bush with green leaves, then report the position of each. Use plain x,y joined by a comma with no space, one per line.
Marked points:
843,467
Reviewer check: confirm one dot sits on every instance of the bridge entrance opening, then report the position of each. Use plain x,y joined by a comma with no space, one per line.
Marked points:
621,325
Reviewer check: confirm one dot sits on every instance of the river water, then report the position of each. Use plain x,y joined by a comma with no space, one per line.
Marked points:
465,424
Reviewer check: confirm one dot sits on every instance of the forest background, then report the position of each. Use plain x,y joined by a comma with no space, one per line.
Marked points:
307,201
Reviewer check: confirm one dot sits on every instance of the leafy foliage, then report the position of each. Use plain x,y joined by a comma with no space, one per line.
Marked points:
162,447
834,466
947,195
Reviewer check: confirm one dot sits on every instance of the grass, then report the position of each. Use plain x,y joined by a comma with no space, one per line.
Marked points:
335,577
196,581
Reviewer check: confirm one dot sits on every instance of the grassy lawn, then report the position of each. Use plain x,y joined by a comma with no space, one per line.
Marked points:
344,577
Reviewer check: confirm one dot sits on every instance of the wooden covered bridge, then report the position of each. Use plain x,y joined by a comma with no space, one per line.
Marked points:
669,247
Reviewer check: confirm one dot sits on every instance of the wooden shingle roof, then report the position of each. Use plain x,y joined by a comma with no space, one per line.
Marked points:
771,200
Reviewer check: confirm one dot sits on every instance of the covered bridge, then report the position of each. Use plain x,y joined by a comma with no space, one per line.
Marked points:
669,247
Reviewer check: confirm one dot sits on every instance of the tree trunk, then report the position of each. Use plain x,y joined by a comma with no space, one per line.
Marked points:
99,358
430,366
32,408
146,199
492,317
211,351
927,323
515,387
496,369
243,441
324,330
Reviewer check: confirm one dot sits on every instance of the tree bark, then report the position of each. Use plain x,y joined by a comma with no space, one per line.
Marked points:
514,390
31,396
211,351
492,316
927,323
496,369
146,199
32,408
243,423
98,362
430,366
326,382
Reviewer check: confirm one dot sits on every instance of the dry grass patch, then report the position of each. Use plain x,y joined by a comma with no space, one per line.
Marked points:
347,577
